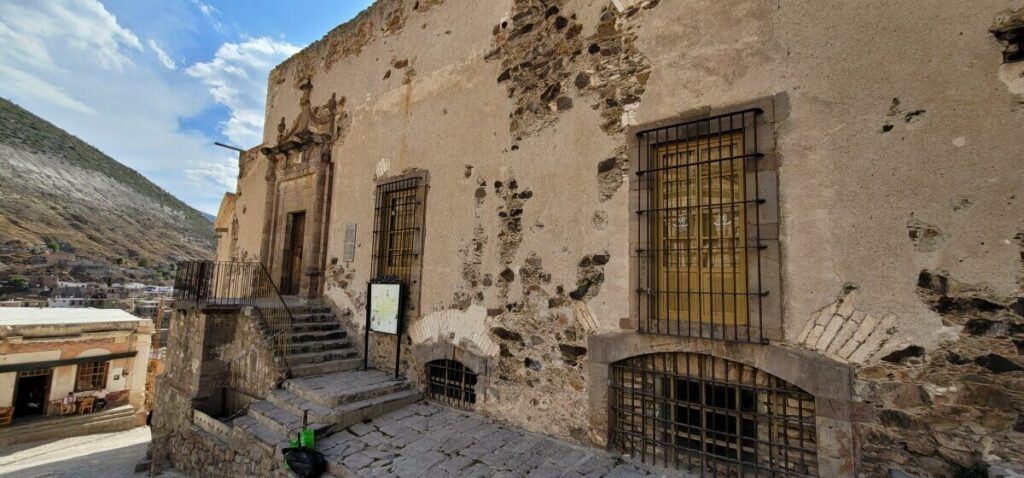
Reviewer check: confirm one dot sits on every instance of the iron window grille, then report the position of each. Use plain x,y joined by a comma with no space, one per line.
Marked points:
39,372
712,416
398,233
451,383
91,376
698,236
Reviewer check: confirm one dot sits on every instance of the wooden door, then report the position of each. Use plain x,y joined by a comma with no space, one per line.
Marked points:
700,230
293,253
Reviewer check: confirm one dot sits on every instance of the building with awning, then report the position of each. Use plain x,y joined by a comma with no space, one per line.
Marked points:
95,355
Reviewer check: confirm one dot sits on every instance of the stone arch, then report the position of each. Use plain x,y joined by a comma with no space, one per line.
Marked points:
830,383
426,353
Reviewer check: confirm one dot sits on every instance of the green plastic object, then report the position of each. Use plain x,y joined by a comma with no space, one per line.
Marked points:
306,438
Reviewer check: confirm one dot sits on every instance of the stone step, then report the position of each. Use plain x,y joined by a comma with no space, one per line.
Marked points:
314,317
114,419
318,346
346,387
300,327
297,405
356,412
258,432
299,309
321,356
307,370
318,336
283,421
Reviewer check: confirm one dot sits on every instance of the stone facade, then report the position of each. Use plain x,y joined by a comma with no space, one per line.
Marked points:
217,360
895,139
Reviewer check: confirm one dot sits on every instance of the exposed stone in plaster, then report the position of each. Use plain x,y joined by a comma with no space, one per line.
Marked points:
612,174
510,217
395,20
589,276
925,237
425,5
935,411
543,53
470,291
600,220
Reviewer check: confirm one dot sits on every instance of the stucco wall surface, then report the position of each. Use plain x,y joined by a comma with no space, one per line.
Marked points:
898,144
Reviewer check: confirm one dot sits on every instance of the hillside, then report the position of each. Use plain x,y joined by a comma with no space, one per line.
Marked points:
56,189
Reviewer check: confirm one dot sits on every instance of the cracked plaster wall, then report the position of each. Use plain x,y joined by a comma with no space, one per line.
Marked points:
910,132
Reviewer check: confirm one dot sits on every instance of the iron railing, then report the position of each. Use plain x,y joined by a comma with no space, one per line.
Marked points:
698,235
711,416
242,284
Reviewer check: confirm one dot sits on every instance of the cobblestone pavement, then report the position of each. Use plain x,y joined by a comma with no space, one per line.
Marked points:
100,455
429,440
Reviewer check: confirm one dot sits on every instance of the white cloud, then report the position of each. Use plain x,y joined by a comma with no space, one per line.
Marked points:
161,54
21,84
208,11
237,78
85,26
223,173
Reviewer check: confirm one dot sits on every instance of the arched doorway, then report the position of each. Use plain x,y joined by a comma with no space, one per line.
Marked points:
713,415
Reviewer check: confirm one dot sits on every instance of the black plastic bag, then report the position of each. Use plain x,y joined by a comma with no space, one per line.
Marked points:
304,462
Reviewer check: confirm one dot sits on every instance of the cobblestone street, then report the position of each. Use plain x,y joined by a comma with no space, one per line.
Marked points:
102,455
425,439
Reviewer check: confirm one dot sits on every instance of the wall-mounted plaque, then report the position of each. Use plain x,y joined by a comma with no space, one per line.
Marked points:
350,242
384,307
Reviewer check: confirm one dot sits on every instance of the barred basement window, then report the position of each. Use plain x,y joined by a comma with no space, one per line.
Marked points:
711,415
92,376
699,233
451,383
398,233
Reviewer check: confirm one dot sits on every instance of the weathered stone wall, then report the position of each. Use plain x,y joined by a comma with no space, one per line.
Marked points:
899,153
181,444
205,349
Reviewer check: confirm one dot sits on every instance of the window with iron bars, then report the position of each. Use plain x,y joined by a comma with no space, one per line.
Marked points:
451,383
698,233
712,416
92,376
398,233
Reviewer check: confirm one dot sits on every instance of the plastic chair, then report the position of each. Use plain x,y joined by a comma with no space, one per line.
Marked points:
85,406
6,414
67,408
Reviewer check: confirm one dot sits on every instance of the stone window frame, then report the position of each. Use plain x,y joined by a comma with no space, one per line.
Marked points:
422,185
95,379
830,383
425,353
769,305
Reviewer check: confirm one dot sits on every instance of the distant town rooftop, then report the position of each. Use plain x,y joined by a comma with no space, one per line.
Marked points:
57,316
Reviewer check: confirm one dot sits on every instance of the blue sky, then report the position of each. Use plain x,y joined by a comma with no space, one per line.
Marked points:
153,83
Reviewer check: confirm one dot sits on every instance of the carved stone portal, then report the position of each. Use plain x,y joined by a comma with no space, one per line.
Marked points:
299,178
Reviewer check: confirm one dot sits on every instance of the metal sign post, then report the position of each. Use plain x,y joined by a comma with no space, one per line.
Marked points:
385,305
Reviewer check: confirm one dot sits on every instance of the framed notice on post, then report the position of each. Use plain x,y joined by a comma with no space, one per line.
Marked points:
385,307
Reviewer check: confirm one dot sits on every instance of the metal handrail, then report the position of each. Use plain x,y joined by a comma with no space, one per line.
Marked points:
241,284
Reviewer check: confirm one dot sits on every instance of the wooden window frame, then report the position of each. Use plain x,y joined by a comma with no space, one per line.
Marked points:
761,229
418,183
87,370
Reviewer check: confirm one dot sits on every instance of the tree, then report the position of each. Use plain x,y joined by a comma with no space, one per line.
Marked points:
19,282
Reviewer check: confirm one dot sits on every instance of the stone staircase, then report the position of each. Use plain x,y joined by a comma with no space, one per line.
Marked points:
327,384
318,345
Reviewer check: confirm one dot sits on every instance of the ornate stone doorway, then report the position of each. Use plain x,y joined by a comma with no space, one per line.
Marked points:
299,179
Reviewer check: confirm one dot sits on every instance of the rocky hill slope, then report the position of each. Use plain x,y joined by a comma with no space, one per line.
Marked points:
55,189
